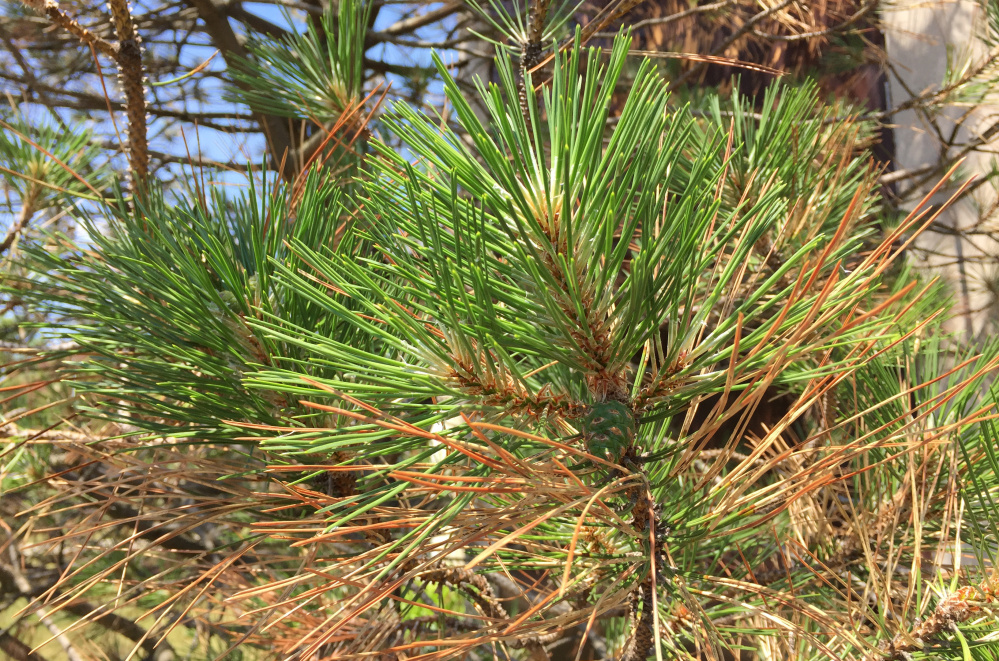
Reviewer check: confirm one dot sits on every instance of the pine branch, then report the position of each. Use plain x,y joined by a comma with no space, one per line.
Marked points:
583,352
642,637
51,9
130,71
955,608
127,53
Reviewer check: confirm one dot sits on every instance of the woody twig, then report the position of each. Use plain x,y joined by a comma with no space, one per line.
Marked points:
127,53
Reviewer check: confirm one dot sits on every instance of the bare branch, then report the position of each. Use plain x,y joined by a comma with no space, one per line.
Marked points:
27,211
735,36
224,37
123,626
665,20
412,23
17,650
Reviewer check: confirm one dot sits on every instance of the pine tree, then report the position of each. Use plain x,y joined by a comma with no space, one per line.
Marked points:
548,381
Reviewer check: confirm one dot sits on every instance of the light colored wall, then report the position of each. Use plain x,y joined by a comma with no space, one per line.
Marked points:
919,35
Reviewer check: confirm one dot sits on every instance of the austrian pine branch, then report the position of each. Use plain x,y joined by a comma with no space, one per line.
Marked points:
129,59
127,53
956,608
629,370
58,17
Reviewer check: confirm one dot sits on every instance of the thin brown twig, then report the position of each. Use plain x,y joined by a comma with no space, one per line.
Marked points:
666,20
735,36
837,29
23,218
